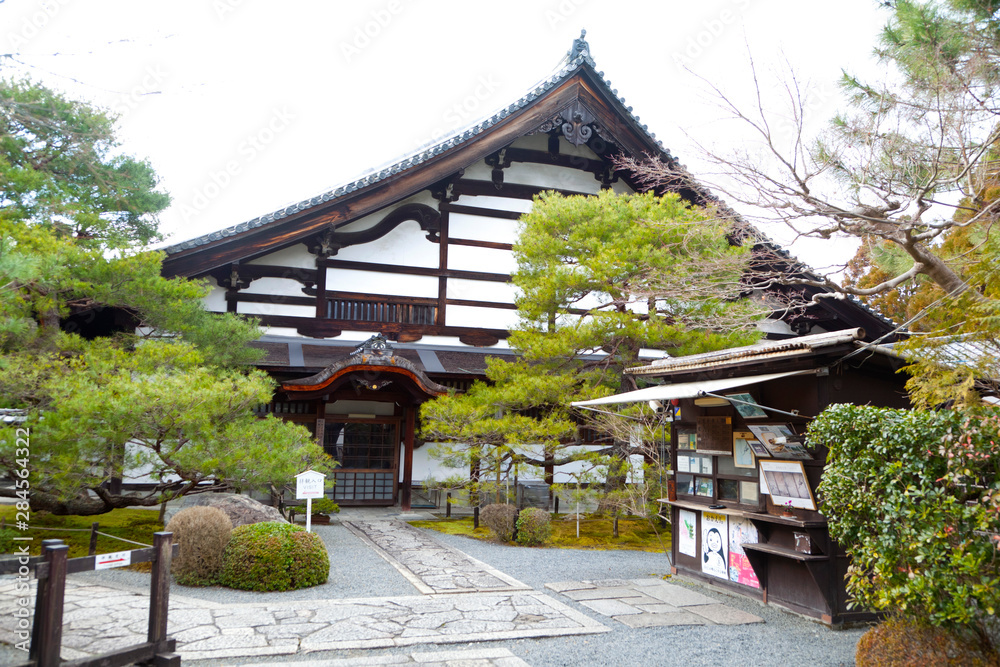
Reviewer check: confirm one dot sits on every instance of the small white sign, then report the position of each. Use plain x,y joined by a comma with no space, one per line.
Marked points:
108,561
309,484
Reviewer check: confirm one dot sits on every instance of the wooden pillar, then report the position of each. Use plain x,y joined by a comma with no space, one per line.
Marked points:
404,499
159,587
46,638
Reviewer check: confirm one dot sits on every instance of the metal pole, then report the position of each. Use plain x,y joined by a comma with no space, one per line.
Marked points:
309,514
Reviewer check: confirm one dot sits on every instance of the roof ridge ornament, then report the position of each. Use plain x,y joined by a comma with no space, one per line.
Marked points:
580,47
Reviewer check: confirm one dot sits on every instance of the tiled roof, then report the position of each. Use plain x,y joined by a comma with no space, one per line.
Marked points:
576,59
758,352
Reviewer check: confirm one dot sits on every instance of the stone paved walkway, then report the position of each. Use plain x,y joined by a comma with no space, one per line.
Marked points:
99,618
430,566
644,603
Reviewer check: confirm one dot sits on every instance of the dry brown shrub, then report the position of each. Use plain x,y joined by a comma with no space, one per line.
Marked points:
202,533
901,642
500,518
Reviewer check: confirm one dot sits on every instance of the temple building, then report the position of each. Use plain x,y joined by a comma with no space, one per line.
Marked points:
390,290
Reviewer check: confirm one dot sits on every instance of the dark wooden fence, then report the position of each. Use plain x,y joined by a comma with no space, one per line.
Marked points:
51,569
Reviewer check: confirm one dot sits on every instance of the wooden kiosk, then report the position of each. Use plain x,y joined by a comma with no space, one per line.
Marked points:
743,500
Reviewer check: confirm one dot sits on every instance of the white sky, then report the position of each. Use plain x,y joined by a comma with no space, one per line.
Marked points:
243,106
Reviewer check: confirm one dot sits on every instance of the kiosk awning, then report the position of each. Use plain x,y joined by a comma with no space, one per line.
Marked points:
668,392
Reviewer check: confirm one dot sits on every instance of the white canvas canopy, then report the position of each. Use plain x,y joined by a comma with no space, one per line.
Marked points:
669,392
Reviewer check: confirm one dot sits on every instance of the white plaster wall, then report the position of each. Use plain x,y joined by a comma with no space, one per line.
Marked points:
422,197
480,290
406,245
470,316
425,467
276,309
622,188
216,299
479,171
372,282
489,260
481,228
296,255
551,176
277,286
499,203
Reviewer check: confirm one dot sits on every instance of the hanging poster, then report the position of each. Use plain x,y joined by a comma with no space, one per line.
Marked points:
685,537
741,532
714,544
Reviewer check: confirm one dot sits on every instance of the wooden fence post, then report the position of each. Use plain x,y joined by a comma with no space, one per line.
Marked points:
93,538
447,507
475,517
159,587
46,636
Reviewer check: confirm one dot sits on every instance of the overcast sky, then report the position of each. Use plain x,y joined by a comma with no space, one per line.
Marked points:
243,106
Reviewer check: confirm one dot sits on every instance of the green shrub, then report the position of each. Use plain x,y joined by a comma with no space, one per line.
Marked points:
202,533
274,556
325,506
534,526
7,543
911,495
903,642
500,518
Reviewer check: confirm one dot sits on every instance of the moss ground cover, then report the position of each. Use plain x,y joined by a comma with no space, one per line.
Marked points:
131,524
634,534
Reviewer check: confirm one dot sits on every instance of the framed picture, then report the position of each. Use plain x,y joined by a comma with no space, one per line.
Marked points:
746,406
787,483
757,447
743,455
780,441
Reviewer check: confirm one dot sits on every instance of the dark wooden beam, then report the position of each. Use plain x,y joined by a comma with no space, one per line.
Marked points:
480,211
481,244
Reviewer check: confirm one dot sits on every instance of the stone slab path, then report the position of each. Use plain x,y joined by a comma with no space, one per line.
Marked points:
481,657
429,565
99,618
645,603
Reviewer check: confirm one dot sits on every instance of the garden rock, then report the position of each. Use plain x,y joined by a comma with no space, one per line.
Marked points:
241,510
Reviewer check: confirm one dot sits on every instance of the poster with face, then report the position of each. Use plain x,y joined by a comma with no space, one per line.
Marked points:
714,544
686,535
741,532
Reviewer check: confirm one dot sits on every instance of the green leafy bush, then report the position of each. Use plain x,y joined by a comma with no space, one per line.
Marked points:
534,526
202,533
274,556
913,497
7,543
903,642
499,518
325,506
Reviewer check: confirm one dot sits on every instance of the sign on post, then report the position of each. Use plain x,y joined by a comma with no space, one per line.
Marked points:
308,485
108,561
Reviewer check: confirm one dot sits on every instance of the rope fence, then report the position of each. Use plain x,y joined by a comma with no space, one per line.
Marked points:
93,530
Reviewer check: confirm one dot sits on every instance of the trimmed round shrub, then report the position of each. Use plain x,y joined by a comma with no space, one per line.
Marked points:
499,518
534,526
900,642
273,556
202,533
